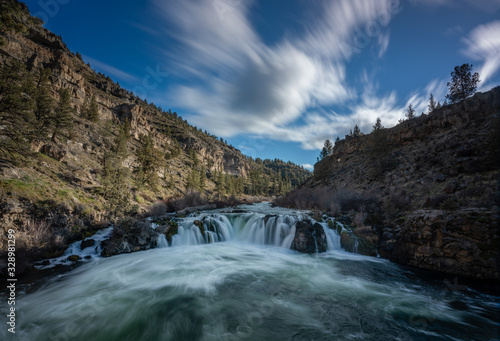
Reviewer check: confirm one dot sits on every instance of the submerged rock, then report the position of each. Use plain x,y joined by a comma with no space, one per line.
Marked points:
74,258
309,238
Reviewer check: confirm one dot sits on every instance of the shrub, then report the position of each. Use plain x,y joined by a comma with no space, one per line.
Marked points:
34,234
190,199
359,219
157,210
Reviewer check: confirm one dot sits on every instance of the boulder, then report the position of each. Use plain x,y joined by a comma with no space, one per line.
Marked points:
134,236
87,243
53,151
309,238
74,258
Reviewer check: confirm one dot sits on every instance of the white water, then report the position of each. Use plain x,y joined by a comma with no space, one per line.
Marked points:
265,225
89,253
250,287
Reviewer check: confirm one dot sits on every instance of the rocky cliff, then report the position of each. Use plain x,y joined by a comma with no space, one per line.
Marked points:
432,184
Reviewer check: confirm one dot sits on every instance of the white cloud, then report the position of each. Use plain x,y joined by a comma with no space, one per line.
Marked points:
420,99
244,86
109,70
308,166
348,26
484,5
383,41
483,44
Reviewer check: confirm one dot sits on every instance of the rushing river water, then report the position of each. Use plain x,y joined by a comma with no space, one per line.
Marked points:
250,286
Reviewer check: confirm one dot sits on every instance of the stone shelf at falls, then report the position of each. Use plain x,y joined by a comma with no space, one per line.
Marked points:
258,224
277,229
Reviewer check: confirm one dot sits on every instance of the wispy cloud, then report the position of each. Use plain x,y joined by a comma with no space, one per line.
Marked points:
420,99
483,44
244,86
484,5
383,41
110,70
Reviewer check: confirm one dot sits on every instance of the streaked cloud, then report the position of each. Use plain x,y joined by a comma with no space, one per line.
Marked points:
484,5
110,70
247,87
420,99
483,44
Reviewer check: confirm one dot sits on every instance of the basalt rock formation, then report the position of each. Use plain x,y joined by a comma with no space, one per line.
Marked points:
434,184
309,238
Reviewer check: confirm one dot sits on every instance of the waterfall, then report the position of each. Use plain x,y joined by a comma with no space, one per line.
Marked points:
162,241
253,228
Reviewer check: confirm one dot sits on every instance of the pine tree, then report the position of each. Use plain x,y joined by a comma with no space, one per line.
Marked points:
114,176
463,83
193,180
432,104
327,150
120,145
410,112
356,132
150,160
116,190
91,110
219,183
62,119
45,104
203,178
378,140
17,120
378,125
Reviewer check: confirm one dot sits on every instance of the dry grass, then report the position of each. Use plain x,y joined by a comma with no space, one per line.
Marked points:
34,234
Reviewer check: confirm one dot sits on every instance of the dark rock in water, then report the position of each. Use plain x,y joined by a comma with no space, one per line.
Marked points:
309,238
87,257
135,236
87,243
46,262
269,216
74,258
239,211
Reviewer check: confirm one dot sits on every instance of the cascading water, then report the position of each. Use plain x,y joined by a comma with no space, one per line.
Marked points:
234,277
253,228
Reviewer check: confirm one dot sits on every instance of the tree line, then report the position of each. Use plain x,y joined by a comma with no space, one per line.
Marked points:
462,85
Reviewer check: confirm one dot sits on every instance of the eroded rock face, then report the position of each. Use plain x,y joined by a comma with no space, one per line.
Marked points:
309,238
464,242
132,236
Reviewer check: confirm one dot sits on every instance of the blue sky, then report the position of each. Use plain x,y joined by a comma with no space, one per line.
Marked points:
275,77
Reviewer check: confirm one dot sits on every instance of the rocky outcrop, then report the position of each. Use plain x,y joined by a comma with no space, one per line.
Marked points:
465,242
309,238
435,178
130,236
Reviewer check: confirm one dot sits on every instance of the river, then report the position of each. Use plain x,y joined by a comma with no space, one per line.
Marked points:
250,286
